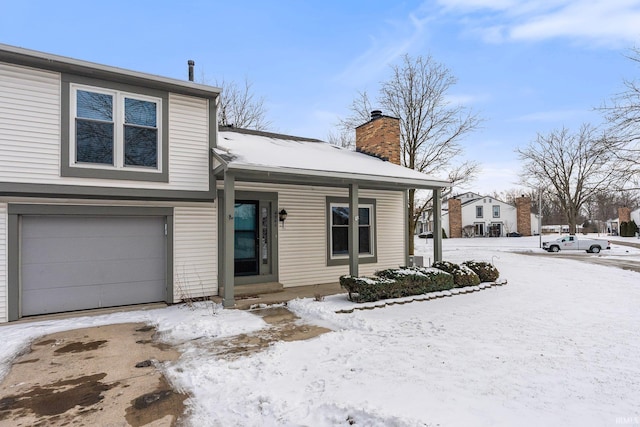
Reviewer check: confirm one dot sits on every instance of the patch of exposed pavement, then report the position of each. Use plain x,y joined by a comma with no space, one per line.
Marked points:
88,377
111,375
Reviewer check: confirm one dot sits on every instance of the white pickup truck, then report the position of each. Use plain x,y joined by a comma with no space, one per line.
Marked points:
573,243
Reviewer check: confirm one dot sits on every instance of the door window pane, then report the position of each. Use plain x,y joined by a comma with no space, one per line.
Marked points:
246,238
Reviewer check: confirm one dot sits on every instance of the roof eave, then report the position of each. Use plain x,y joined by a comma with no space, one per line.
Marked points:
322,176
63,64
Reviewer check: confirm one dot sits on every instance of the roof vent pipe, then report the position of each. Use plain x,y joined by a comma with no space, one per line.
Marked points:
191,63
376,114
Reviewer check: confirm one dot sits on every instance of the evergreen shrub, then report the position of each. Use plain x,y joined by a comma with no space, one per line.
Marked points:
462,275
485,271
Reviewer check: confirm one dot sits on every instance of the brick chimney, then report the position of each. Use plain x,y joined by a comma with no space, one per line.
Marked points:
624,214
455,217
523,215
380,137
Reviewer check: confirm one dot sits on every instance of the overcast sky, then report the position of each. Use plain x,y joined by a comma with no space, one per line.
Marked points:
524,66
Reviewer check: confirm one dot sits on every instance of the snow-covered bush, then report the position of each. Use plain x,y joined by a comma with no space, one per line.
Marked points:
485,271
366,289
396,283
462,275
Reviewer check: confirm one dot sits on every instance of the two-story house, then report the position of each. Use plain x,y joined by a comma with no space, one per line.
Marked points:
117,188
473,215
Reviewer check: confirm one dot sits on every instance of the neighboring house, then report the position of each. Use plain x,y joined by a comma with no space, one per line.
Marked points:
624,215
473,215
116,188
425,222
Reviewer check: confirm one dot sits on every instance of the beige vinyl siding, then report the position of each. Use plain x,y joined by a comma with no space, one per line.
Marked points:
30,135
189,143
302,242
195,265
29,124
3,262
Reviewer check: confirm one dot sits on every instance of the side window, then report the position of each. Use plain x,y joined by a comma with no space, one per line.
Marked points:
338,219
496,211
479,213
340,229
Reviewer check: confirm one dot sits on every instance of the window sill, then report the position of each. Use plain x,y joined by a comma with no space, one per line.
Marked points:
119,174
363,259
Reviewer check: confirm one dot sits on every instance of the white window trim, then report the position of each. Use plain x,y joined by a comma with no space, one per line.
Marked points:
371,230
118,132
493,211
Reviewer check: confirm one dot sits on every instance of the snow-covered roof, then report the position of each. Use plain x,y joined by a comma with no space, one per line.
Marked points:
308,159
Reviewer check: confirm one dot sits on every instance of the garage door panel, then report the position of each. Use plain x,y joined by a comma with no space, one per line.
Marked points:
137,293
39,301
39,276
72,263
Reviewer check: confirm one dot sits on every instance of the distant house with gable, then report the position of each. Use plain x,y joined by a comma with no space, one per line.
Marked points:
473,215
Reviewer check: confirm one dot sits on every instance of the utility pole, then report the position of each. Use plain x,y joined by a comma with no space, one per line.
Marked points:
540,215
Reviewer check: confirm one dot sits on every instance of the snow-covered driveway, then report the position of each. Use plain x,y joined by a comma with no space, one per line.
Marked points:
559,345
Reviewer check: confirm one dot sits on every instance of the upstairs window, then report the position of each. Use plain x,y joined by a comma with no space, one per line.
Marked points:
114,130
479,213
496,211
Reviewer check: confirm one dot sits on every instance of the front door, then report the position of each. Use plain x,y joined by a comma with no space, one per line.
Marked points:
246,238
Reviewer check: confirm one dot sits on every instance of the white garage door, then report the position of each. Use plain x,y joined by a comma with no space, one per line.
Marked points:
73,263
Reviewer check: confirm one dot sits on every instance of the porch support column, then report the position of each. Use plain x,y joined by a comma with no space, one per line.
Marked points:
437,224
354,222
407,236
228,243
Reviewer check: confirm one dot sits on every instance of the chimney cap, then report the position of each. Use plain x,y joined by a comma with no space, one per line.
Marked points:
376,114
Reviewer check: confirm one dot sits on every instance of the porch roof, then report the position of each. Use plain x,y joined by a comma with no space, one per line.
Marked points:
255,155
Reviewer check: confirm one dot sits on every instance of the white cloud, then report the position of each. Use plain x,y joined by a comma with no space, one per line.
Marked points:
603,22
385,48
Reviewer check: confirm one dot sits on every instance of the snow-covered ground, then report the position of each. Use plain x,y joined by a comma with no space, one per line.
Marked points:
558,345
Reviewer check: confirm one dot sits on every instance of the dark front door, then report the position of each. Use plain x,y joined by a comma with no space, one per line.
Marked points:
246,238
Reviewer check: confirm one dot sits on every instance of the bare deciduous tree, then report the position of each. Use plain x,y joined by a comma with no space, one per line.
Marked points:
623,114
240,107
431,128
359,111
572,167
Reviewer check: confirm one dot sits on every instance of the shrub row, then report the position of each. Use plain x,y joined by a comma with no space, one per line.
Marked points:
407,281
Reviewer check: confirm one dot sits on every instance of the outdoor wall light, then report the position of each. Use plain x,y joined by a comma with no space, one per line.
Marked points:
282,216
